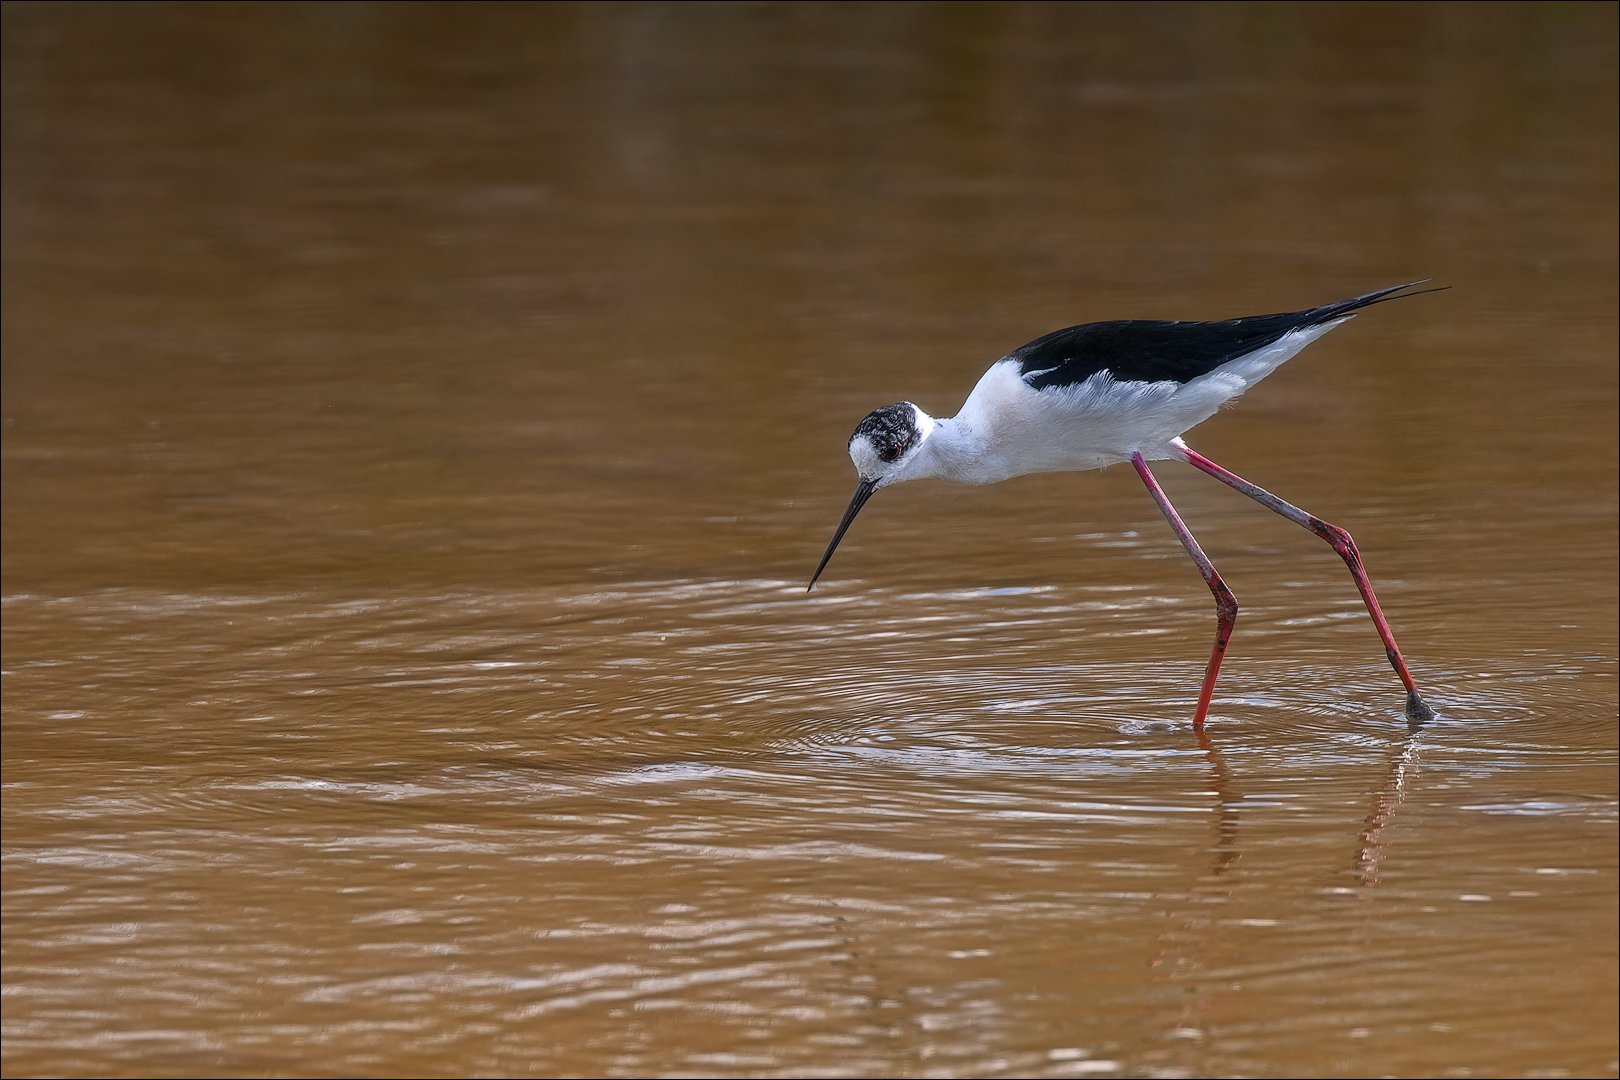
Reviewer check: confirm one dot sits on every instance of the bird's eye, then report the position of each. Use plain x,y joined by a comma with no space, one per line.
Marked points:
891,452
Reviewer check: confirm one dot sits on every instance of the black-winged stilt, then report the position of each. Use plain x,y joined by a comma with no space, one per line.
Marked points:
1109,392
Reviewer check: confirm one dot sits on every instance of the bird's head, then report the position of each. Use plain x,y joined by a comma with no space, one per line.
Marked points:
884,448
885,444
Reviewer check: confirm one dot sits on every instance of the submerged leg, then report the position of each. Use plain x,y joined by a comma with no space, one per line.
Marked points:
1416,710
1226,607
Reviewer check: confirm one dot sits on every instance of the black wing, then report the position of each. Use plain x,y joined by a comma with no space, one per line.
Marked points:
1134,350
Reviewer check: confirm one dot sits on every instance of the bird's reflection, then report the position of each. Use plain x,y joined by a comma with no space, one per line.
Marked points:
1182,954
1402,768
1179,949
1224,851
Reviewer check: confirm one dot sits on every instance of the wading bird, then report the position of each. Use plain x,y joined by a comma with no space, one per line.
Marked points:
1109,392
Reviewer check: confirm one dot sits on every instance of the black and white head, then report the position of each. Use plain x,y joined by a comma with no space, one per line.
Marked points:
884,448
887,441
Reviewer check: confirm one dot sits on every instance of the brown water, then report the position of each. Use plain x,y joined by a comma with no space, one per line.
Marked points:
421,420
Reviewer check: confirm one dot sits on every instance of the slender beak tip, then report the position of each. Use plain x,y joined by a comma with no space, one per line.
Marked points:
863,491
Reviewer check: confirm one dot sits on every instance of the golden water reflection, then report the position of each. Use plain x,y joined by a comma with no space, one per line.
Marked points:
420,422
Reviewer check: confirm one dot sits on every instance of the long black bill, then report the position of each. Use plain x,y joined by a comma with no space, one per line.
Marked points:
863,491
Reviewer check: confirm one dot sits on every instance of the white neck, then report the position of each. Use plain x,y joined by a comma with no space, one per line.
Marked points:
954,452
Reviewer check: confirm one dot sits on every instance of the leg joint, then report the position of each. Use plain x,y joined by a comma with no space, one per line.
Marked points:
1337,538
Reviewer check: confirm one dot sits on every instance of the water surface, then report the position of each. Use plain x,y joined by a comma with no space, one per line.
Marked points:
421,421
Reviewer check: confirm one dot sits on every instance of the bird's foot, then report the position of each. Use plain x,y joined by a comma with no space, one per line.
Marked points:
1418,712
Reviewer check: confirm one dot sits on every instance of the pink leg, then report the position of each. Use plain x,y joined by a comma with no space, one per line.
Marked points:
1416,710
1226,608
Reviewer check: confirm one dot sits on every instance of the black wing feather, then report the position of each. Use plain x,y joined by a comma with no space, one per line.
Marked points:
1134,350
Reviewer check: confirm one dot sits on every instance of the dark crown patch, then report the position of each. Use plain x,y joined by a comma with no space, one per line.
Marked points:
891,430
